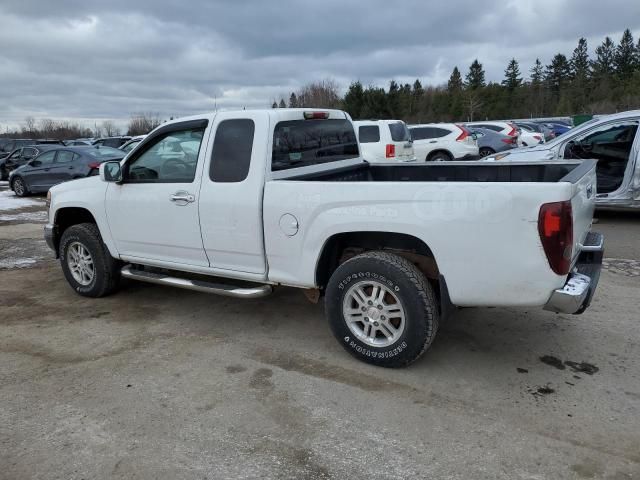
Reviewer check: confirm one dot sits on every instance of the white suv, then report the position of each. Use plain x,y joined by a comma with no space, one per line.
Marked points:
438,142
383,141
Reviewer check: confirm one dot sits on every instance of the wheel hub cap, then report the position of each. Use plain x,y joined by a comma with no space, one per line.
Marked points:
80,263
373,313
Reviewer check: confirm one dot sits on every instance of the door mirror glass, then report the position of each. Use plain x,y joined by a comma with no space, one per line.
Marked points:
111,172
35,163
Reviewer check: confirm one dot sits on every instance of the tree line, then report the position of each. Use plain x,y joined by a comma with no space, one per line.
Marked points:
139,124
606,82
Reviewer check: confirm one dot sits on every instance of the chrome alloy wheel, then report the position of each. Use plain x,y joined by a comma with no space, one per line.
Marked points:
374,314
80,263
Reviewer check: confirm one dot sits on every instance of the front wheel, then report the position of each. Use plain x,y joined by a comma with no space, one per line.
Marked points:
87,264
19,187
382,309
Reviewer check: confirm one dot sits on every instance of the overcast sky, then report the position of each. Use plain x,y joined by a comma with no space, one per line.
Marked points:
93,60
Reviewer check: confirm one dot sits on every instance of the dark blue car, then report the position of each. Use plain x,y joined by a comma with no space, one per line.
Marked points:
60,165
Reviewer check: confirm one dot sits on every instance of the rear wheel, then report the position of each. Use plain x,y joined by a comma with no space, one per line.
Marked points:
439,157
382,309
19,187
486,151
87,264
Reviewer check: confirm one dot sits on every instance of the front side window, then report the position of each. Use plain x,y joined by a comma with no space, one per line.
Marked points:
46,158
15,155
299,143
399,132
172,158
369,134
232,147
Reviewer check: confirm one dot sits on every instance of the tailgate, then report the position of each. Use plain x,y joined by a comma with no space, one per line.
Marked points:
583,204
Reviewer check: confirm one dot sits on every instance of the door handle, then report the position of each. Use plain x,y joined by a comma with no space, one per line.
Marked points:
433,141
183,197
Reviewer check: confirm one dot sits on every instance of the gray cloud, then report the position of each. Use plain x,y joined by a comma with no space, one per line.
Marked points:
87,61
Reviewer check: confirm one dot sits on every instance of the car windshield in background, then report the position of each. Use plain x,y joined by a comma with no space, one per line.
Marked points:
301,143
105,152
399,132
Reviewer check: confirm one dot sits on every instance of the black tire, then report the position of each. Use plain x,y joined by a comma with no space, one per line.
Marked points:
486,151
439,157
413,292
19,187
106,276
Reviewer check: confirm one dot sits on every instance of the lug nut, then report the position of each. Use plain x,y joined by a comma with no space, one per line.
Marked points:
383,317
379,307
370,302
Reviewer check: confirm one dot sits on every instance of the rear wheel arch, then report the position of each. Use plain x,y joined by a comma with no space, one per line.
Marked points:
439,151
342,246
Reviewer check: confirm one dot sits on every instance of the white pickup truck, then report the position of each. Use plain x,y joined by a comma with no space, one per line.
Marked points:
237,203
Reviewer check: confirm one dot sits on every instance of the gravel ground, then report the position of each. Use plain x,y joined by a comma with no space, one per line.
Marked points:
160,383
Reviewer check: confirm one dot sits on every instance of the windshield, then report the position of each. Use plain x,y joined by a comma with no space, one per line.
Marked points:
299,143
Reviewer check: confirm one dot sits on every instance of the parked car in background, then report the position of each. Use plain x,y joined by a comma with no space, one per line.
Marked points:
131,144
57,165
441,142
19,157
14,144
537,128
114,142
490,142
557,128
506,128
528,137
78,143
613,141
385,141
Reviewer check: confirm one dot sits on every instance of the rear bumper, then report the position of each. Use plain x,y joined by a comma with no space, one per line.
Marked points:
575,297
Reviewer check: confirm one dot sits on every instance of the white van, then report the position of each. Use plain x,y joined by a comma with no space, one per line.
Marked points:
383,141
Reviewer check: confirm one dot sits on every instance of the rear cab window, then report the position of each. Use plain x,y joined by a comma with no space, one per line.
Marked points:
300,143
232,147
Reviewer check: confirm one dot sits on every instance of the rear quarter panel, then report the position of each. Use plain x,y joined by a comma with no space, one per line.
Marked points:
484,236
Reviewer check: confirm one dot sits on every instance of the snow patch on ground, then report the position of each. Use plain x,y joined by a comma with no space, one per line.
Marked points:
27,217
9,201
9,263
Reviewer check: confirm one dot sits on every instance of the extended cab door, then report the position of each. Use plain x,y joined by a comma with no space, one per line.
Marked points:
231,192
153,213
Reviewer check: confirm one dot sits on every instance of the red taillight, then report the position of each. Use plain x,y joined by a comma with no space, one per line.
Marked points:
390,151
555,226
465,133
513,132
94,165
537,137
507,140
316,115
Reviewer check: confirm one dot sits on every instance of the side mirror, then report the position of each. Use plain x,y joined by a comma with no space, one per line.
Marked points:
111,171
34,163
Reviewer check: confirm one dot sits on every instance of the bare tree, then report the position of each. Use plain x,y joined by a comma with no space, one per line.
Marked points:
47,127
110,128
472,103
143,123
323,94
29,126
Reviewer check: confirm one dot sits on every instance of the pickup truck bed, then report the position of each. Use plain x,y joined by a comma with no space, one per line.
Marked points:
454,172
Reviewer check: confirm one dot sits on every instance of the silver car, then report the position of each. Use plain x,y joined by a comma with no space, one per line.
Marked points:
613,140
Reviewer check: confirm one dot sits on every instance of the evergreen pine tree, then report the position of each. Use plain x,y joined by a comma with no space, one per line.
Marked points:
537,73
512,78
455,81
354,100
475,77
282,104
603,65
293,100
625,56
580,67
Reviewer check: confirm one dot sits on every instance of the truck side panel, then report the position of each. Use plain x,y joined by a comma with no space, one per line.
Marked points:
484,237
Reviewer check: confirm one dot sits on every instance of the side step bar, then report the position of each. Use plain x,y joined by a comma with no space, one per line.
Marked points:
197,285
